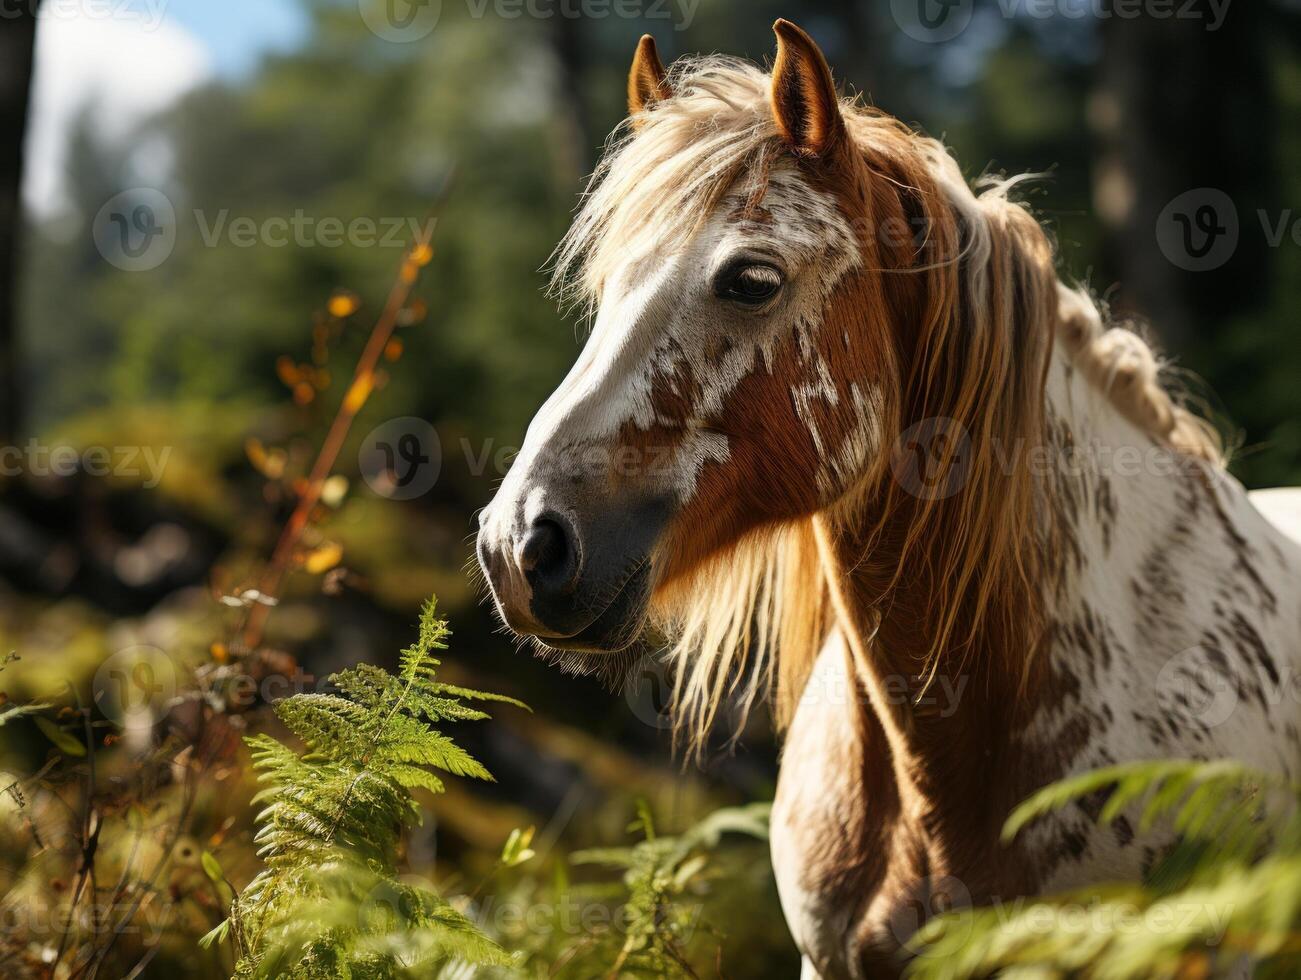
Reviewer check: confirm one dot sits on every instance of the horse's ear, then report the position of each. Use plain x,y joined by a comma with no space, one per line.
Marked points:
804,99
647,81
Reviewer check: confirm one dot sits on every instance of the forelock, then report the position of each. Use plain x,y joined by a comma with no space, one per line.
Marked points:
676,160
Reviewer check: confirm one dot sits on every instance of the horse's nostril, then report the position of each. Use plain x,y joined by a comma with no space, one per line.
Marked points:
547,556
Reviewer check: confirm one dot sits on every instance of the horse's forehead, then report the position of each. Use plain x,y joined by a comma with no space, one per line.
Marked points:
780,211
785,210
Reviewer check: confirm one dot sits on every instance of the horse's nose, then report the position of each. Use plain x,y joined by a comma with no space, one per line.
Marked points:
548,555
535,574
576,579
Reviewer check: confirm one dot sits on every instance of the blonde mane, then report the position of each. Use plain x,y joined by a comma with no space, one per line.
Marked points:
752,621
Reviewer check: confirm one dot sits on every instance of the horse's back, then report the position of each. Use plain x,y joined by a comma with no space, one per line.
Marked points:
1280,506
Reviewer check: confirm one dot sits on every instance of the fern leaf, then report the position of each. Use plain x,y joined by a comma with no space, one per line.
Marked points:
329,826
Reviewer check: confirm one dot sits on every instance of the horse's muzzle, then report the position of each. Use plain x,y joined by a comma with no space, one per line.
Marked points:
574,581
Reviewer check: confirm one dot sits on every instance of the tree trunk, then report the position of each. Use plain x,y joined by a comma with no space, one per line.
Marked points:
17,42
1184,117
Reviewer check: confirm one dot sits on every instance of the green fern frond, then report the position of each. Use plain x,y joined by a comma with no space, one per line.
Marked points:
1166,782
1228,891
328,903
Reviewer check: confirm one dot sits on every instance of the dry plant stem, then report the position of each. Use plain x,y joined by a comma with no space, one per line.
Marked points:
681,961
144,962
88,841
569,955
148,885
352,403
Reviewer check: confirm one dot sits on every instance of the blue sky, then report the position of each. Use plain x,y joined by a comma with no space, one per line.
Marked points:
138,61
237,32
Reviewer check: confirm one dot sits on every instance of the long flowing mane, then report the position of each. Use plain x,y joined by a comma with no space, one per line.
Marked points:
988,307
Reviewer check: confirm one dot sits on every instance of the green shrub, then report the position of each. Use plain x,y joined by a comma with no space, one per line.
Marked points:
650,911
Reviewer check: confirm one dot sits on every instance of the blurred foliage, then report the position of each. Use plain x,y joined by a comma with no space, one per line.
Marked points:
664,916
518,106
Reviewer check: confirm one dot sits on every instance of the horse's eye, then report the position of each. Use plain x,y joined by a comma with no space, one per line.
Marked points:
752,285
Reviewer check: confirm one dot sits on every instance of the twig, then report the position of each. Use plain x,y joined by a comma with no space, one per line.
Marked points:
147,885
363,377
89,841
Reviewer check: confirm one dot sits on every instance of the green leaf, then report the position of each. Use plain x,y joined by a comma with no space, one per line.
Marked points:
211,867
64,742
517,850
216,935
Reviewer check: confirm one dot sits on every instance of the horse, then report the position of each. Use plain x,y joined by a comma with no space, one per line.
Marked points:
843,439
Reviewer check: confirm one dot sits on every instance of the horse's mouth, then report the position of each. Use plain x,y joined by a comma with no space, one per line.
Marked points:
618,626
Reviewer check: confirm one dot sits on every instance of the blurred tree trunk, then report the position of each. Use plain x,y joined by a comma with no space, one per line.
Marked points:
567,45
861,63
1182,109
17,42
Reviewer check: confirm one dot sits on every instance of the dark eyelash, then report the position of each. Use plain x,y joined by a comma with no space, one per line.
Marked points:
731,284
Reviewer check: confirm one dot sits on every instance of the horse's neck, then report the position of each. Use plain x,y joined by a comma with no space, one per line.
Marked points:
892,795
961,735
1173,583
